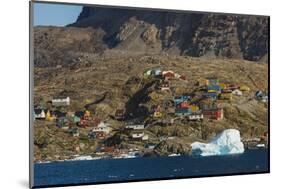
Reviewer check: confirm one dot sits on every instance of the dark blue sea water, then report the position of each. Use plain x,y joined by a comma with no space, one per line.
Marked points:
105,170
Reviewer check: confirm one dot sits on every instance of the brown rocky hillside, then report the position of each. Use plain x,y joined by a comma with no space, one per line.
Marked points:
180,33
99,30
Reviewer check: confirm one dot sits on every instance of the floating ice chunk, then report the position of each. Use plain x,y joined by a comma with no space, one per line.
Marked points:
227,142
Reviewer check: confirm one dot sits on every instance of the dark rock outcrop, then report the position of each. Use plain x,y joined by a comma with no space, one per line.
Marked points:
193,34
152,32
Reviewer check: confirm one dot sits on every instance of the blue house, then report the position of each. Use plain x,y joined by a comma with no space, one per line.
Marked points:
157,72
211,95
153,72
213,81
214,88
180,99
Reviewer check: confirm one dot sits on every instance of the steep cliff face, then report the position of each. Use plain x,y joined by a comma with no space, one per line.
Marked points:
192,34
152,32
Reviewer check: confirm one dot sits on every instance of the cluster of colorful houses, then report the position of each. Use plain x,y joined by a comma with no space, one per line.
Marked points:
72,120
205,105
190,106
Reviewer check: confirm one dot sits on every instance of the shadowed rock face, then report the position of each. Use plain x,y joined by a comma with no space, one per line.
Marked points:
192,34
99,30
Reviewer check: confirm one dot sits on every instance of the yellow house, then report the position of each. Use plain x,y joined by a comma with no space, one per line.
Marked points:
226,96
157,114
223,85
203,82
87,113
49,116
212,91
194,108
244,88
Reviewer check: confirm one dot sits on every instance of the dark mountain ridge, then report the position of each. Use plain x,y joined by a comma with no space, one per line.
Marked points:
192,34
154,32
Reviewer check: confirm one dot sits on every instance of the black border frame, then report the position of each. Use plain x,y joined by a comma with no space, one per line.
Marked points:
31,54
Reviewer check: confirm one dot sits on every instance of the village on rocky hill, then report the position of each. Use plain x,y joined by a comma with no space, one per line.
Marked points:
159,112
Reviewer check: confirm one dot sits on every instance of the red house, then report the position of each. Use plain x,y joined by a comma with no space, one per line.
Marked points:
168,74
216,113
120,114
182,77
183,104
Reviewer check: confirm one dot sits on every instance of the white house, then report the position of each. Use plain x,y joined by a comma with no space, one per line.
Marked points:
237,92
195,117
39,114
61,101
102,127
137,135
140,135
135,127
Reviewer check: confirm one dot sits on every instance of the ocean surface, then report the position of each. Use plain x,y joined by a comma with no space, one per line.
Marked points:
116,170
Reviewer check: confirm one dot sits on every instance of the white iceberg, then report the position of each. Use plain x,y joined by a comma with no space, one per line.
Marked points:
227,142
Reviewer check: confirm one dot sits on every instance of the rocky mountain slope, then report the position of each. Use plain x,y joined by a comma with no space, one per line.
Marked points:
101,30
181,33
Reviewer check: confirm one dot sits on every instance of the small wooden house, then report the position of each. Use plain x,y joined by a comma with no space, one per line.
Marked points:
261,96
179,99
202,82
39,114
232,87
157,114
213,95
244,88
182,77
165,86
87,113
182,105
74,132
139,136
62,122
50,116
102,127
156,72
223,85
213,88
84,123
61,101
212,81
134,126
194,108
120,114
152,72
168,74
75,119
226,96
215,113
100,135
195,117
147,72
237,92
